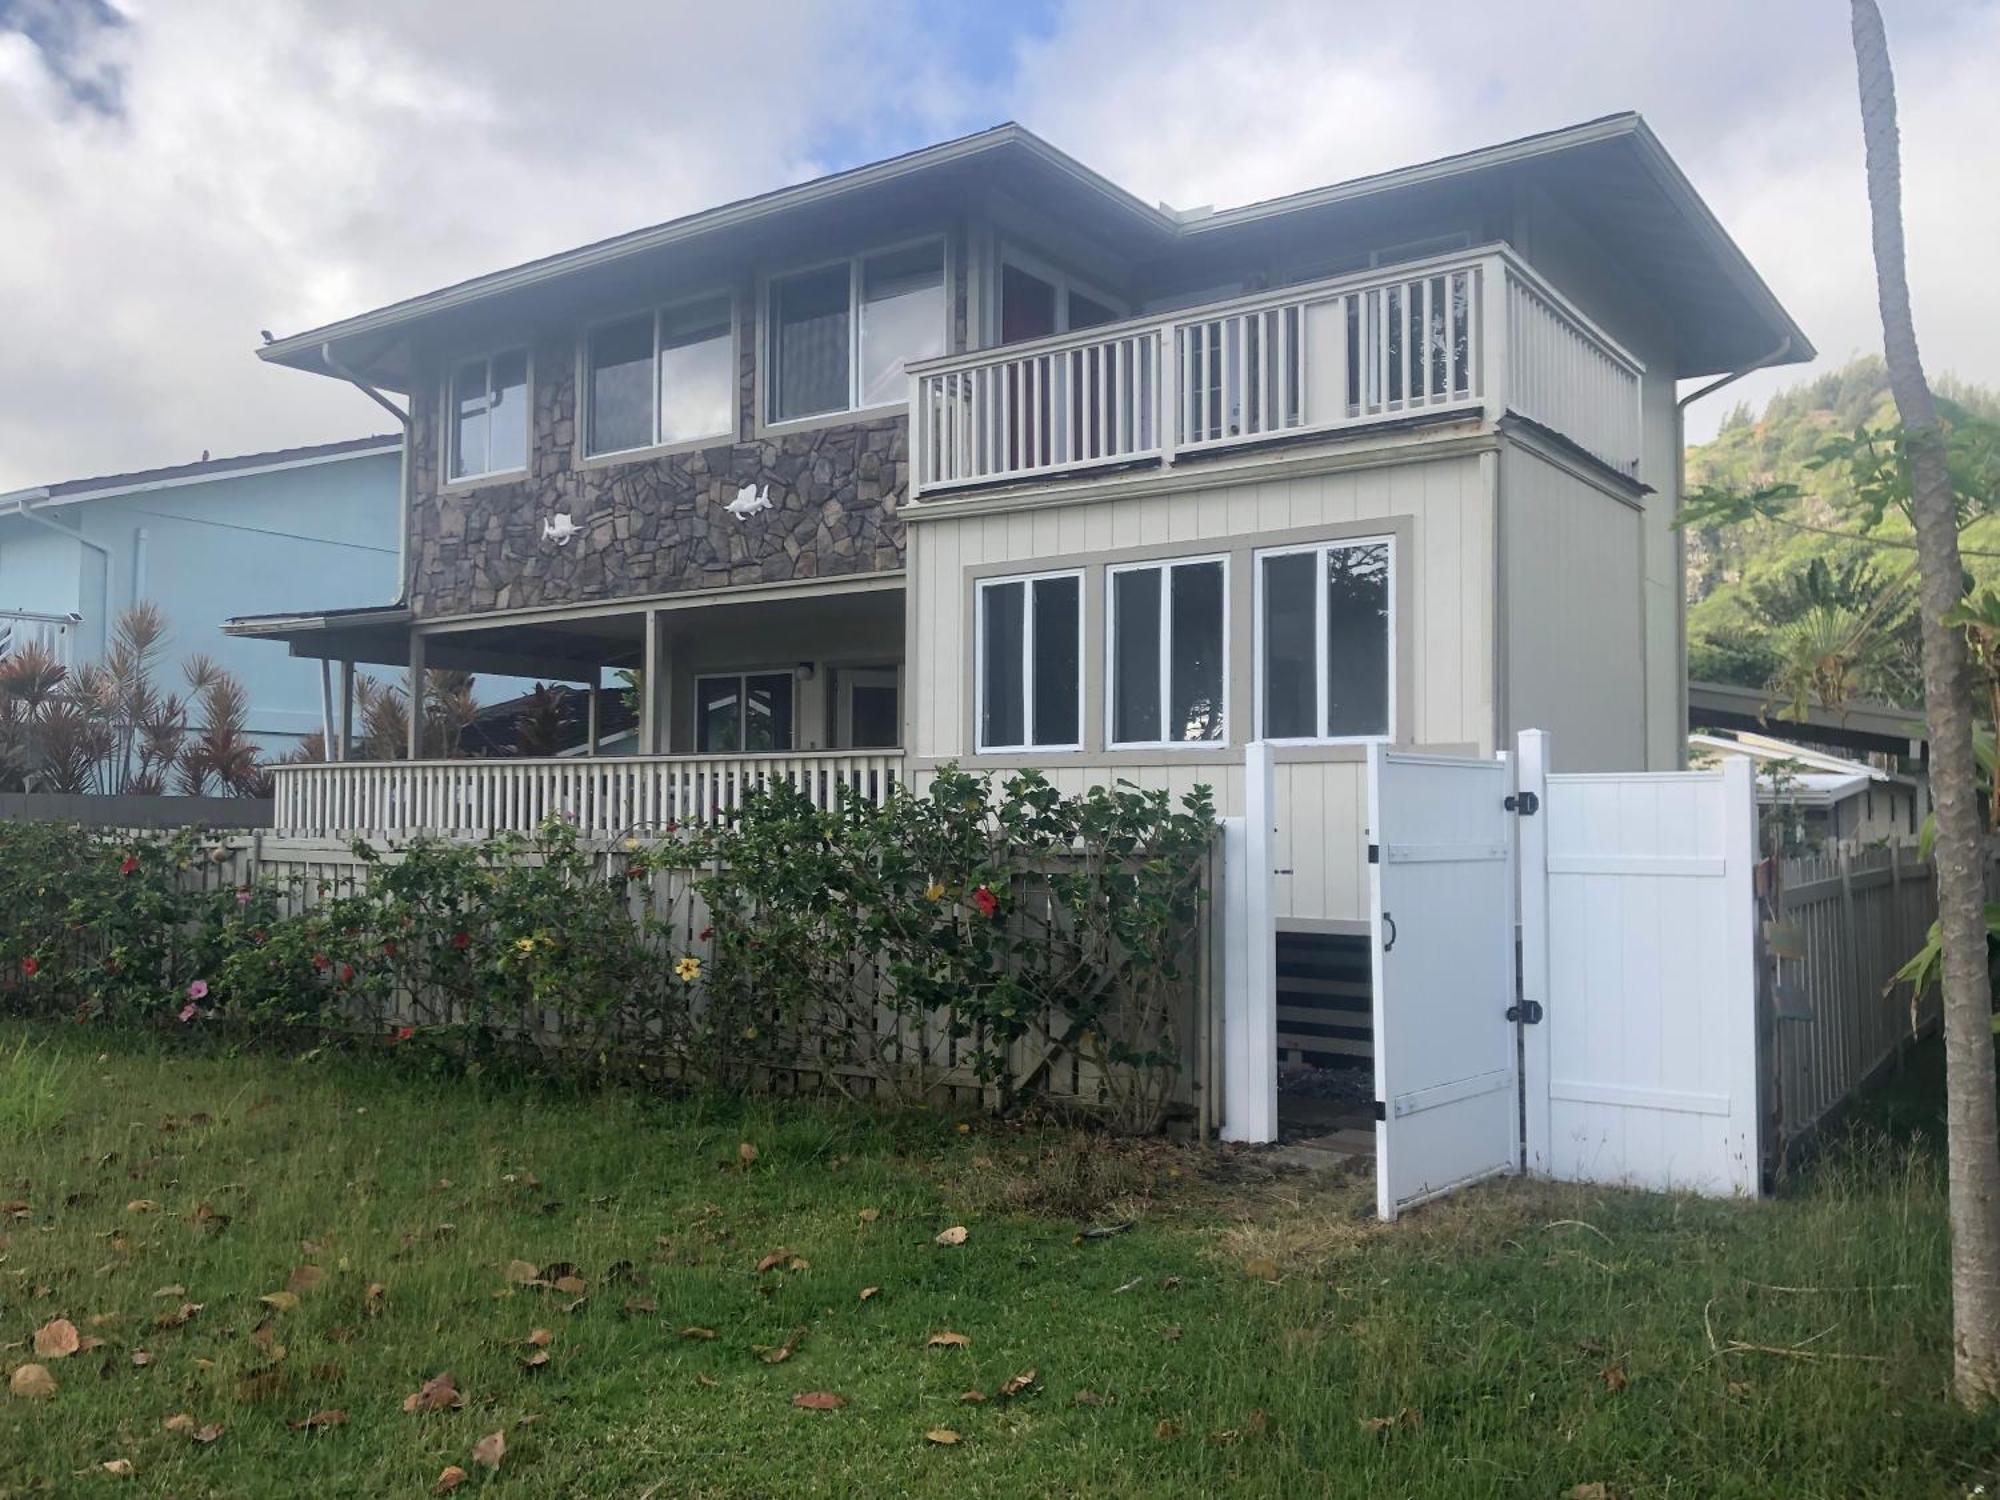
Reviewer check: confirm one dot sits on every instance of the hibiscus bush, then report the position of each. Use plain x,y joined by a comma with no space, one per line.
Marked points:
1003,937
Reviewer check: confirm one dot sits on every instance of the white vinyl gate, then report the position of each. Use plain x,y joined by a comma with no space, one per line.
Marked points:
1626,1049
1441,883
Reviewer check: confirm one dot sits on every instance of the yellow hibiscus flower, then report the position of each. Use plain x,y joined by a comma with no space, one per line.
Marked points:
688,970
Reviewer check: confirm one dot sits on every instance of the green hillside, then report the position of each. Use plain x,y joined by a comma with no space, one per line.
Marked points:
1748,584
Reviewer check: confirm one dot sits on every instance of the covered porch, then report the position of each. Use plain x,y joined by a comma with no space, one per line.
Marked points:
799,683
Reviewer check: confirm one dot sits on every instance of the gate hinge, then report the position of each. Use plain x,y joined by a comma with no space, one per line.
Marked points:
1527,1011
1381,1110
1527,804
1374,854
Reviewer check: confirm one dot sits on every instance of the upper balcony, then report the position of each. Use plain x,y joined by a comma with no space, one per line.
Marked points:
1475,335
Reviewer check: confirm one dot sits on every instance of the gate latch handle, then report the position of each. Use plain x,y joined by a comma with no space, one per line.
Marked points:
1528,1012
1390,923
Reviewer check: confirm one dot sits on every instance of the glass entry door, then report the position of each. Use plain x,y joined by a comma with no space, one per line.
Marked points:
867,708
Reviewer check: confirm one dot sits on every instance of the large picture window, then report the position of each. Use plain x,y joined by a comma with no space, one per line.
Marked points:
661,377
747,713
487,411
1030,665
1326,641
839,335
1167,649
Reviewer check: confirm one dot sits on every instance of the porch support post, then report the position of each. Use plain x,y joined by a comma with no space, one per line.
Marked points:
650,684
1250,959
346,711
593,732
416,744
326,744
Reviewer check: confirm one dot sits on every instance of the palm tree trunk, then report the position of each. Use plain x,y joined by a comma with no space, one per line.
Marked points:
1968,1008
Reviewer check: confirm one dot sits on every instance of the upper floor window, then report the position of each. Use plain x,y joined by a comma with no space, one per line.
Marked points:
1167,649
661,377
840,334
1030,667
1326,641
488,405
746,713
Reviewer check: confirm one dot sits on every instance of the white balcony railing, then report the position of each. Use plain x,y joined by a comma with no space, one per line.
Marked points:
1429,338
25,629
605,796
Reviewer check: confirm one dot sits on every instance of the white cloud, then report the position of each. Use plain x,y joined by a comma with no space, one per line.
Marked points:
284,164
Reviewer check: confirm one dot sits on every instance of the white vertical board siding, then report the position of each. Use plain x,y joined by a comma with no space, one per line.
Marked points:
1442,509
1645,948
1575,632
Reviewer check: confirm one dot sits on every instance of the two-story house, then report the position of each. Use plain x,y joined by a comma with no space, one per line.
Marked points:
971,455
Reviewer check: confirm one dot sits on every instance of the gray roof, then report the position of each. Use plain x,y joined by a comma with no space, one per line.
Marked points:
215,468
1612,172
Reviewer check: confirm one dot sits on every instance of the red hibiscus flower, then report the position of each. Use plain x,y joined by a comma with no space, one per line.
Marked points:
403,1034
346,972
461,940
322,962
129,864
704,935
30,966
986,901
389,949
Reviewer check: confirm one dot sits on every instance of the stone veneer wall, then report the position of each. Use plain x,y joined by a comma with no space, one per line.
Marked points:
655,525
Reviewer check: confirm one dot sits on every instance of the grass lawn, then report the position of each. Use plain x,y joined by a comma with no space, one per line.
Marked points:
1254,1332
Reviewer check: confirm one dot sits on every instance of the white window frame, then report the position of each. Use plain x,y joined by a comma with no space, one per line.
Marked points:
1165,567
741,677
448,410
1064,282
1320,644
767,331
1028,580
586,402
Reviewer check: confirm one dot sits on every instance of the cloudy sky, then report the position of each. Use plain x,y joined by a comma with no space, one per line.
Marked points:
177,174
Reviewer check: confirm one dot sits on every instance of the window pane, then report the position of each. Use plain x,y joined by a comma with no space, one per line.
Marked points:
1057,649
902,318
809,348
468,419
875,724
1027,305
1135,656
1088,312
718,715
1194,685
1357,640
507,417
697,372
621,386
1290,660
1002,719
767,714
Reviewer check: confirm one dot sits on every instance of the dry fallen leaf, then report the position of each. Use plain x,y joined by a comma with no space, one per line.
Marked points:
180,1421
971,1398
956,1235
944,1437
870,1291
1088,1397
539,1338
697,1333
569,1286
283,1301
1261,1268
520,1272
178,1316
489,1450
784,1351
176,1290
746,1153
705,1379
56,1339
321,1419
639,1306
209,1433
441,1390
1614,1378
452,1477
32,1382
1013,1385
1595,1489
948,1340
536,1360
772,1261
304,1279
1409,1416
869,1215
371,1300
1166,1430
819,1400
140,1359
141,1206
121,1467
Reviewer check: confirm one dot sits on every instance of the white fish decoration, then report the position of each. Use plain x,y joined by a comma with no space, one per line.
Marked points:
559,528
749,500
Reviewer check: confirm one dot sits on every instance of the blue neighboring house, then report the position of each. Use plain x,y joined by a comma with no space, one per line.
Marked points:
299,528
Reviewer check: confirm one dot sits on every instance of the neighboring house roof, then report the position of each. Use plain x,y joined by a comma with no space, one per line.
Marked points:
1857,724
1611,173
1816,779
68,491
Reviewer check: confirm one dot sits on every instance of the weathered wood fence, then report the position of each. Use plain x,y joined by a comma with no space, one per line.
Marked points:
1844,923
